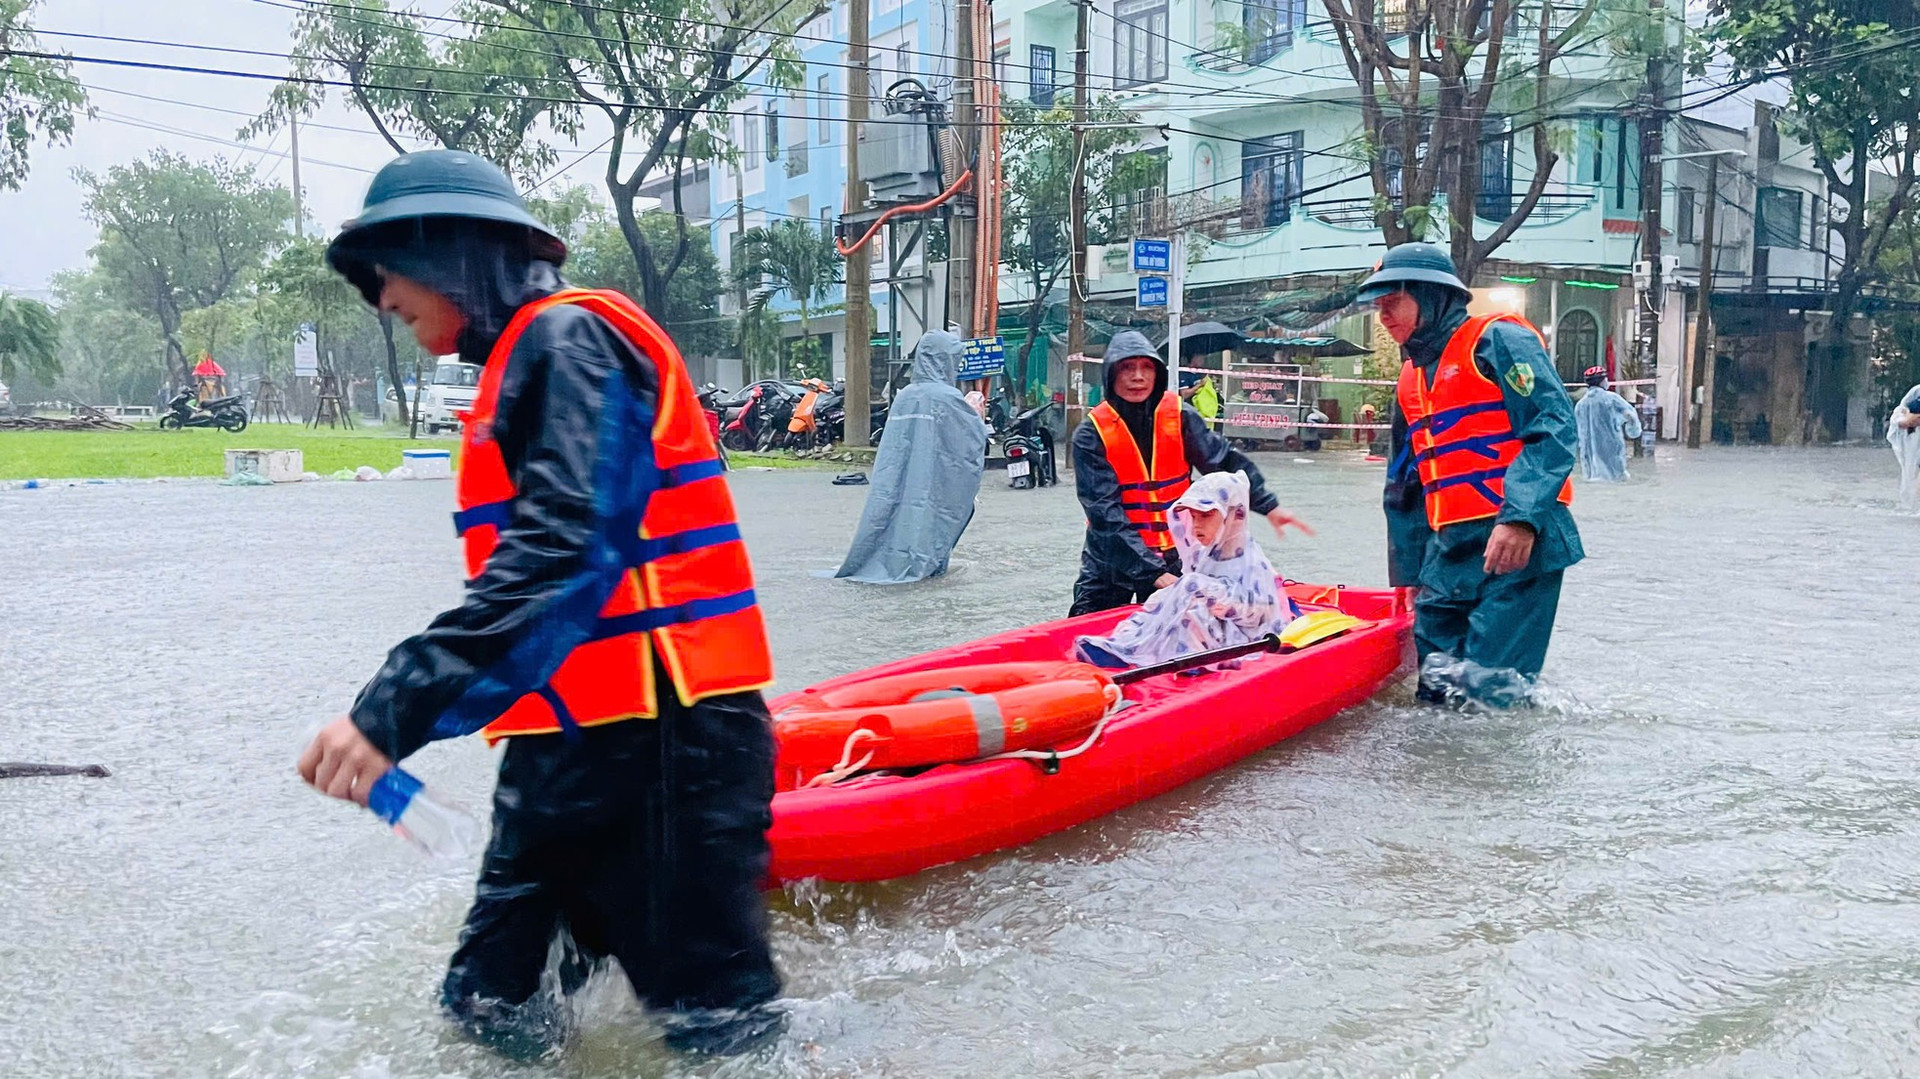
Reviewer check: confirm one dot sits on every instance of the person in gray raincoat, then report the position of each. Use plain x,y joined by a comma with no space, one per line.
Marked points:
1478,487
1133,456
925,476
1601,416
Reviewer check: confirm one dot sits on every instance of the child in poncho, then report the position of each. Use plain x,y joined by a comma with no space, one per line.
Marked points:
1226,594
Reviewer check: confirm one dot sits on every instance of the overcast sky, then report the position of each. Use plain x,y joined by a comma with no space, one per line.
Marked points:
43,224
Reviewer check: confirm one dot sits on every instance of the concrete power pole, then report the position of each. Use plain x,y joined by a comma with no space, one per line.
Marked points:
1700,376
299,204
859,264
1077,197
1653,132
960,224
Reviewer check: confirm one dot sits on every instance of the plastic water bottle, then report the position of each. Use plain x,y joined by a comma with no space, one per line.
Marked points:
439,828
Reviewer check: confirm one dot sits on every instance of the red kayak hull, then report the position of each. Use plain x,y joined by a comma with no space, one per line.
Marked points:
1180,729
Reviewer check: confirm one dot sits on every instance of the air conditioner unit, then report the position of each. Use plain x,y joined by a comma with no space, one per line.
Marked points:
1643,275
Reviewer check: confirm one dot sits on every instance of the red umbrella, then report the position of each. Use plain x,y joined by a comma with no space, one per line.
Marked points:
206,368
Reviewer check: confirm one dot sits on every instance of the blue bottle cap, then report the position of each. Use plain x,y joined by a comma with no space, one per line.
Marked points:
391,794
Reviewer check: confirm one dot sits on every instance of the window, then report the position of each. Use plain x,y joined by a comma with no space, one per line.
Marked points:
773,131
1392,16
1271,178
1270,26
1001,59
750,138
1779,218
1495,199
1393,157
797,145
903,60
1576,345
825,88
826,223
1683,215
1040,75
1139,42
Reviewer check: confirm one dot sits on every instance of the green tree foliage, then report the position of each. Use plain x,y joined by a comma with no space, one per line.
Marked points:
110,355
38,96
598,257
1037,144
485,92
29,340
1852,70
178,235
795,258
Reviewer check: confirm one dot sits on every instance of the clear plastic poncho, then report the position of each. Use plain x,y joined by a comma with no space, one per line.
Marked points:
925,476
1906,450
1227,595
1600,417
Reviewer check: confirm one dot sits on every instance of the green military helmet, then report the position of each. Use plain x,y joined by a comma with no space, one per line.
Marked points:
447,183
1409,263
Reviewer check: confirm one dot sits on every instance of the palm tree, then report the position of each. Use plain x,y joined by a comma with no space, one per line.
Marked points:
29,339
793,256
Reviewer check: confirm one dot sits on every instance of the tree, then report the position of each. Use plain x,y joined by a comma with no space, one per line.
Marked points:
1038,151
1430,76
598,257
1852,69
176,235
663,73
38,94
791,256
29,340
484,93
101,342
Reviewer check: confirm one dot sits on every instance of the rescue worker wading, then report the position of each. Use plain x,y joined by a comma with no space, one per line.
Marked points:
609,633
1132,459
1478,482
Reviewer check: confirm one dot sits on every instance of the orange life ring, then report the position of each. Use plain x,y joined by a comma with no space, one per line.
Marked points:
934,717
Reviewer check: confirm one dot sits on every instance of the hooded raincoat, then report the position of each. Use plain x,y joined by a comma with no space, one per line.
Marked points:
1228,594
1906,449
925,476
644,840
1116,565
1493,627
1601,416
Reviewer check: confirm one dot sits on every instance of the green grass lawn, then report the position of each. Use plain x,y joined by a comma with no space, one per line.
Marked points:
150,452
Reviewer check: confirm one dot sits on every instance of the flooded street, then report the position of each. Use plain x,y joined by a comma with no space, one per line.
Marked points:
1702,860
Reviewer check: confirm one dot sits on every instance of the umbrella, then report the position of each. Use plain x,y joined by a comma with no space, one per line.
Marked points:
206,368
1203,338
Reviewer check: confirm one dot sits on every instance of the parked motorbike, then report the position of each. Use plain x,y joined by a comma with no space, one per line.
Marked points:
832,418
225,413
803,427
709,398
1028,445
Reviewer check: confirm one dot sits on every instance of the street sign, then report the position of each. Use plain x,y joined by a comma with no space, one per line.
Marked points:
1152,256
982,356
306,353
1151,292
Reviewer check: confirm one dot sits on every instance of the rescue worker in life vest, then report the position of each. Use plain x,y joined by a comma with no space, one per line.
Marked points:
1478,482
608,632
1132,459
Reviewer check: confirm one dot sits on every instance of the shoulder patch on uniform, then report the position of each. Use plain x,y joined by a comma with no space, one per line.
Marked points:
1520,377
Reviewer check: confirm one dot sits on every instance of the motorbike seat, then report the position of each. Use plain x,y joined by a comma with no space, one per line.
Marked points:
219,402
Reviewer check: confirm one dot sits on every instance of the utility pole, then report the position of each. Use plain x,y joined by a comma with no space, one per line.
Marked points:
299,207
1077,198
1653,130
1700,378
960,224
1176,303
860,263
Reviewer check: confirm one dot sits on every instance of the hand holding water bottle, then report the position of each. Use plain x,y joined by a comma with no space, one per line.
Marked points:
341,763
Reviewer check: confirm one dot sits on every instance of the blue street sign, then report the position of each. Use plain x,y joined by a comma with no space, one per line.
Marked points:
982,356
1152,256
1152,292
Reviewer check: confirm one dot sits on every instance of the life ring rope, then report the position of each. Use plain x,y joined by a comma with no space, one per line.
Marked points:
847,768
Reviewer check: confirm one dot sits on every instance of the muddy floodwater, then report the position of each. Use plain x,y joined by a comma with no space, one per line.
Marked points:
1703,859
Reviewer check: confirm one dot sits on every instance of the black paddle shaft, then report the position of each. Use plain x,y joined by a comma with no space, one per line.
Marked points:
1269,643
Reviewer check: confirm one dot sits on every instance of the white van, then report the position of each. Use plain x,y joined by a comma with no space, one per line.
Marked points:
448,393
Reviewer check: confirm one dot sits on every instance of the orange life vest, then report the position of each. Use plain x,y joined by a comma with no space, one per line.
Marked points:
1147,497
1459,430
686,589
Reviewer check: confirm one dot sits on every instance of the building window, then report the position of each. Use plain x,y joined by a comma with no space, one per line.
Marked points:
903,60
1778,224
1040,75
825,88
1392,16
797,146
1139,42
750,138
1683,215
773,131
1576,345
1495,199
826,223
1270,26
1002,59
1272,174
